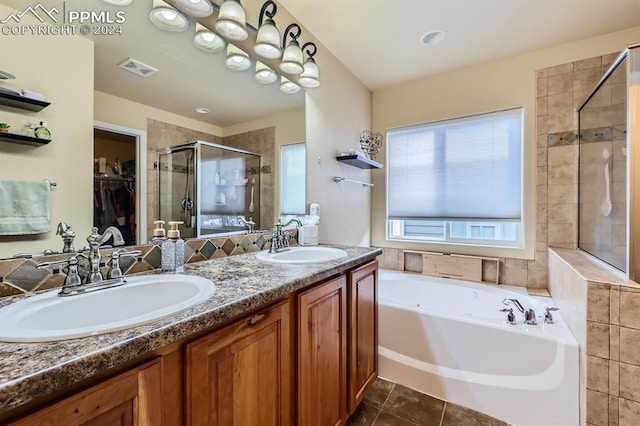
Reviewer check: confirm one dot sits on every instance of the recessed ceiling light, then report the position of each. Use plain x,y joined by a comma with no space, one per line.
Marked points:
202,110
433,37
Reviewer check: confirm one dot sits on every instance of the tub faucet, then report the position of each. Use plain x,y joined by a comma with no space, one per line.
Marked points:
529,314
511,318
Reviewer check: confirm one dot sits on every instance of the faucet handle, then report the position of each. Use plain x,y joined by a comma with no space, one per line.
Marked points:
548,317
115,271
94,237
530,317
511,318
73,277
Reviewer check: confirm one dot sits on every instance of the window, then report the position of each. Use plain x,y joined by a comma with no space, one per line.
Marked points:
457,181
293,165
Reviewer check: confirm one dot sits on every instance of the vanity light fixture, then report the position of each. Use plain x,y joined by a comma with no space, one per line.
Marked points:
207,40
309,78
237,59
195,8
118,2
268,37
264,74
288,87
231,21
292,55
167,18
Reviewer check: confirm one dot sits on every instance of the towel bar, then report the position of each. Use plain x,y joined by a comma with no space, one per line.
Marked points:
52,184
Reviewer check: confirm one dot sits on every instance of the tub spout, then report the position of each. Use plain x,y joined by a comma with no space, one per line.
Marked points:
515,302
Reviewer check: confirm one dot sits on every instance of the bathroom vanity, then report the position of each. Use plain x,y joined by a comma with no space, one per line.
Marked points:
277,344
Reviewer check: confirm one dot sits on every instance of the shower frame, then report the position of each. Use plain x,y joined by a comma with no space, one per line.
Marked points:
196,146
632,54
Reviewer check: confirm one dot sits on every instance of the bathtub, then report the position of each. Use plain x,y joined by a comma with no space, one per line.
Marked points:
447,338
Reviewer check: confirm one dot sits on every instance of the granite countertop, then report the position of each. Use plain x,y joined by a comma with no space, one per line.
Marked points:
32,370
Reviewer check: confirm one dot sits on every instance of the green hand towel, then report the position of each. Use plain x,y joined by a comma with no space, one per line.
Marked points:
24,207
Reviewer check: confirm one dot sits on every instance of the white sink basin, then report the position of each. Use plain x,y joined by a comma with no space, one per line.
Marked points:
308,254
47,317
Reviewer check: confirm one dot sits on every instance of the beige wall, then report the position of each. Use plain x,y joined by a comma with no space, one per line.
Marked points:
114,110
497,85
63,71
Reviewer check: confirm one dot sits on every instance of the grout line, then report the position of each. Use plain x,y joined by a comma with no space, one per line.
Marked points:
393,386
376,417
444,407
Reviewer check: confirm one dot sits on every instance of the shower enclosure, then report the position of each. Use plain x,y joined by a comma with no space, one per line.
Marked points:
209,187
608,123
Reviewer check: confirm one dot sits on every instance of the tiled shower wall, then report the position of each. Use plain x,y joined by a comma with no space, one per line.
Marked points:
602,308
559,91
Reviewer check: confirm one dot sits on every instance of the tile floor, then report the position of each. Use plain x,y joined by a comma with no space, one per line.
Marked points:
391,404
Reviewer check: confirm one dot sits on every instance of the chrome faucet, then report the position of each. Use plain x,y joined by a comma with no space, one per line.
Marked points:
249,223
548,317
67,235
529,314
280,239
95,240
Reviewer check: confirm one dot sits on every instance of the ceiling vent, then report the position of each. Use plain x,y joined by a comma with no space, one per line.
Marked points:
137,67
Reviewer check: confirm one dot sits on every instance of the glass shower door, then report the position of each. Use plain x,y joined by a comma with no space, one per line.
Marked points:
176,197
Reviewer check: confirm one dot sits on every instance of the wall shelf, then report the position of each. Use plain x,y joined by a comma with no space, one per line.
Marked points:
21,102
21,139
359,161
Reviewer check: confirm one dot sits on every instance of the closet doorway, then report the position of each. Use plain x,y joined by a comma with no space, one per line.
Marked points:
117,191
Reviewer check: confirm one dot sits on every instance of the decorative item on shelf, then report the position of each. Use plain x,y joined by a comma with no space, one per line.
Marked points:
4,128
371,143
42,132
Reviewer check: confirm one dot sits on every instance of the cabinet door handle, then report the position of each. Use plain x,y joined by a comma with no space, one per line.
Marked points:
256,319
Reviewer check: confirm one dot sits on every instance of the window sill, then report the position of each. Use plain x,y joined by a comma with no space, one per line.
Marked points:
465,249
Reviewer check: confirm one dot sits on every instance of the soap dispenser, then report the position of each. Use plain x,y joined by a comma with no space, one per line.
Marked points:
173,249
159,235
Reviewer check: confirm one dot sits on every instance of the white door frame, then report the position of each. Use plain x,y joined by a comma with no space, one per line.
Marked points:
141,173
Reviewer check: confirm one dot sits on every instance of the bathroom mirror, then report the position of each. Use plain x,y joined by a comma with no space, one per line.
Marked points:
187,79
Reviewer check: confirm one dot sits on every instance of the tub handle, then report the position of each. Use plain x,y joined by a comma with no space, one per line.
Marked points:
548,317
511,318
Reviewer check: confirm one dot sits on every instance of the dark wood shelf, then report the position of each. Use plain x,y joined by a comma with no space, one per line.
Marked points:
23,103
359,161
22,139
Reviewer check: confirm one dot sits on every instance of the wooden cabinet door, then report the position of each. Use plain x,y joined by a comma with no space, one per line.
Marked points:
131,398
363,331
241,374
322,354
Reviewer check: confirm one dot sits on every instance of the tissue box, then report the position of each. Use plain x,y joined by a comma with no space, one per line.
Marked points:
308,235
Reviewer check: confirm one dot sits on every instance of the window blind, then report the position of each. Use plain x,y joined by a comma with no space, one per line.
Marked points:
462,169
293,161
